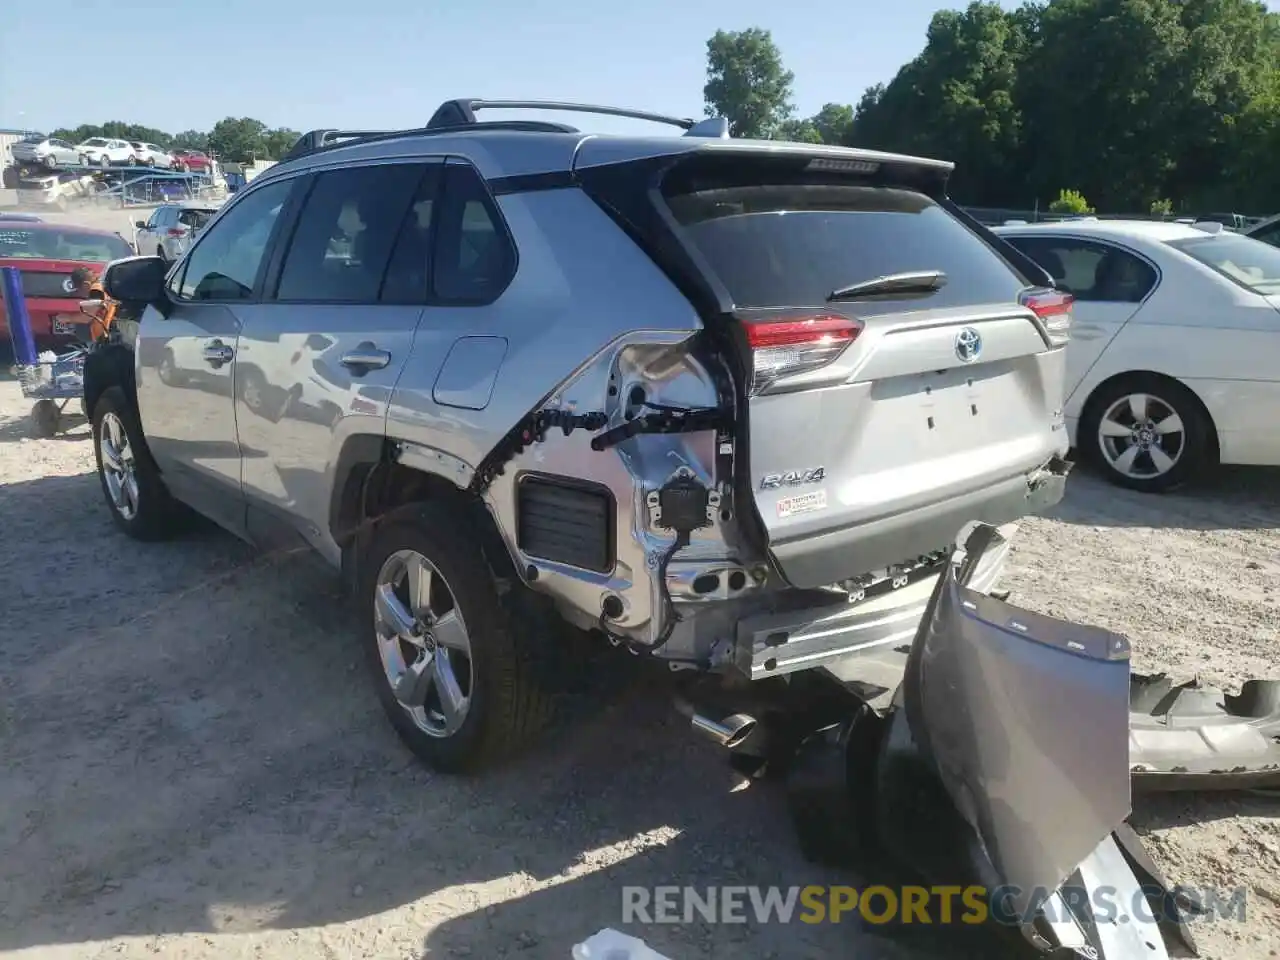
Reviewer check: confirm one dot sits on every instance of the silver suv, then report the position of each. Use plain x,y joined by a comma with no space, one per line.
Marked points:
726,403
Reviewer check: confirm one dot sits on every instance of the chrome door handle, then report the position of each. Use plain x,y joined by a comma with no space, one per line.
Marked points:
366,356
217,353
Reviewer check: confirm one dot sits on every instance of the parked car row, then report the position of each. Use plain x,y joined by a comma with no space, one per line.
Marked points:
53,153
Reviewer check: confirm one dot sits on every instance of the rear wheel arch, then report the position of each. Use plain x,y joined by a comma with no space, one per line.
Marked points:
370,482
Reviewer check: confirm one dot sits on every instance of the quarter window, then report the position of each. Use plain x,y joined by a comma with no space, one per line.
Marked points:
224,265
1090,272
345,234
474,256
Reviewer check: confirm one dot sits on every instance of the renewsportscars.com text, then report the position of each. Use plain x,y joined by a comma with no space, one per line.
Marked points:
909,904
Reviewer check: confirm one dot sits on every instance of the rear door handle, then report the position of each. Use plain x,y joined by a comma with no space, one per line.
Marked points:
217,353
364,357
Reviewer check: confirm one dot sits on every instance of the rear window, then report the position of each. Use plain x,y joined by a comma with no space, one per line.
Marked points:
195,219
62,245
778,245
34,138
95,142
1251,263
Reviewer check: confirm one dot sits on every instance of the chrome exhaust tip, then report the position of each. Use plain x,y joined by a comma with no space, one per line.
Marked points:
729,732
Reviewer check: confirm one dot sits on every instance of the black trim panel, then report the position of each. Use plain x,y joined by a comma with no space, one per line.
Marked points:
566,521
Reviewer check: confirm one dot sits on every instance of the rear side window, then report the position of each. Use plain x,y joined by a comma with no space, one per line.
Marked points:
1090,272
1251,263
793,244
345,233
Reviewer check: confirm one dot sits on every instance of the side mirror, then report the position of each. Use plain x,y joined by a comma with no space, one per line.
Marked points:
137,280
140,224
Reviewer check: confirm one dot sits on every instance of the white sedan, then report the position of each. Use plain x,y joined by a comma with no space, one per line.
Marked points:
1174,360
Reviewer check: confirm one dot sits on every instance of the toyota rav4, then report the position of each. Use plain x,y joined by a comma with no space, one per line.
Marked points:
727,403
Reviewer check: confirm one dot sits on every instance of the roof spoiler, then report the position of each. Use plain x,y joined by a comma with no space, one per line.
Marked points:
455,115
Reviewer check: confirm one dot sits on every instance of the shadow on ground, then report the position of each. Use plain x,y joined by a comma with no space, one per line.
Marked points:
191,744
1236,498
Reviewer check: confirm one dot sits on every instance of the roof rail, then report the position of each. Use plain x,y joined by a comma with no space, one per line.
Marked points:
326,139
460,112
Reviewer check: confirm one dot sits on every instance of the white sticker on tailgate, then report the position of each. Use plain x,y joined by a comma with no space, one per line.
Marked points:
805,503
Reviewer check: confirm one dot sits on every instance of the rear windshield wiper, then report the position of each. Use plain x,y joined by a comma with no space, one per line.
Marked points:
918,281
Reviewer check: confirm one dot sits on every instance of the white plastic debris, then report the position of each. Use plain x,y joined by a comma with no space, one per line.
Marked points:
609,944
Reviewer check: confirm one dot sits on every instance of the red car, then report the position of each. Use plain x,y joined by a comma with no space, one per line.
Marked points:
46,254
193,161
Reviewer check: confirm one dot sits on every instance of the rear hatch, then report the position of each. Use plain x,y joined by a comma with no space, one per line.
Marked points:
876,415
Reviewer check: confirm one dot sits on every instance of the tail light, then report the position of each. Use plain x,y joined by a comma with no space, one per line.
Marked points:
176,232
1053,307
784,348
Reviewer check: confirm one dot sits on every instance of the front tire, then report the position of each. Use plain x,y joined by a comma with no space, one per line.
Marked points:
140,504
1147,433
451,659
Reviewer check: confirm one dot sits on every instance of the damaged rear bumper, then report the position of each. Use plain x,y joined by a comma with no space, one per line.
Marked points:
863,644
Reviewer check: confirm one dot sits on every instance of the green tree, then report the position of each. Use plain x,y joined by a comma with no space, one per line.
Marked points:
798,131
278,140
1072,202
190,140
747,83
1162,208
834,123
957,100
238,140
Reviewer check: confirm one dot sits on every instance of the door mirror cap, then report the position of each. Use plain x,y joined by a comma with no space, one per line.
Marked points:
140,224
138,280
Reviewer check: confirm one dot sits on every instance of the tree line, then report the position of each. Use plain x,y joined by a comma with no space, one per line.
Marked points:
1136,105
234,139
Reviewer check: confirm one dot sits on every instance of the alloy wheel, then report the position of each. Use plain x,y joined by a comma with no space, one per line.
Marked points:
1141,436
423,643
118,467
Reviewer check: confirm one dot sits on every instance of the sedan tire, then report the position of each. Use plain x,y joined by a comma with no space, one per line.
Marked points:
1147,433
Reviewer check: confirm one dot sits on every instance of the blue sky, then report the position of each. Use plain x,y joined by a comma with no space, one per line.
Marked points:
389,63
319,63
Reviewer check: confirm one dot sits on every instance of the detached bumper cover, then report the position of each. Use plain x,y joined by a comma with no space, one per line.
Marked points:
1195,737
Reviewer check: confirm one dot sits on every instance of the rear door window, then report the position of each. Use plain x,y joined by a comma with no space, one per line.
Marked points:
1091,272
345,233
793,244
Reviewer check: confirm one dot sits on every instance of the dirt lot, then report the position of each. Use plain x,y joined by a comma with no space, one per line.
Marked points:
195,767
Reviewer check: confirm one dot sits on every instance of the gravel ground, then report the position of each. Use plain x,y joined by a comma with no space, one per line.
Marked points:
195,767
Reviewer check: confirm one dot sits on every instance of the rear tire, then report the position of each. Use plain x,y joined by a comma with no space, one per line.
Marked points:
139,502
1147,433
507,698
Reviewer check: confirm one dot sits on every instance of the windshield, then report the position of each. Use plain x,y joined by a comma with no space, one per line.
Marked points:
1252,264
62,245
35,138
95,142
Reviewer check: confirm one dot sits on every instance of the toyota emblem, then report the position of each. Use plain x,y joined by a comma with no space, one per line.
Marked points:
968,344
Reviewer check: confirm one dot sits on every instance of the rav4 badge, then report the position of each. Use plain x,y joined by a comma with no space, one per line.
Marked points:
792,478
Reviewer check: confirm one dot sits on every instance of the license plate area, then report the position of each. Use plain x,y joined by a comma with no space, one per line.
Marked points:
945,412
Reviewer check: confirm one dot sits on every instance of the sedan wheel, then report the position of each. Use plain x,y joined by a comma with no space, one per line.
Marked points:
1147,433
423,643
1141,436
